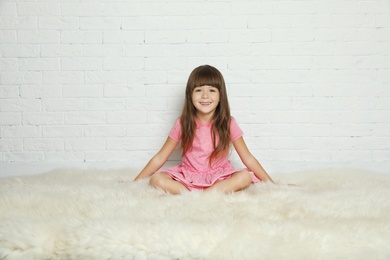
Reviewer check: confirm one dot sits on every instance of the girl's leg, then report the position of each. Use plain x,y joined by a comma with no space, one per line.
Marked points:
165,182
238,181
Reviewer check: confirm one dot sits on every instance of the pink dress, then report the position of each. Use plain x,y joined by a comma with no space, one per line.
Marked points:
194,171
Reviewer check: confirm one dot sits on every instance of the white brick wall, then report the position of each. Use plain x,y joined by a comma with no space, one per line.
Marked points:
103,81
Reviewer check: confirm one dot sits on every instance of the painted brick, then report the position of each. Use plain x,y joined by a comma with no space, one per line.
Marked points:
38,9
104,104
9,64
47,144
63,77
8,36
145,130
286,116
124,9
23,157
18,23
252,7
63,131
85,118
83,37
352,130
38,36
81,9
105,131
85,144
19,50
121,63
100,23
58,23
125,37
21,131
11,144
106,50
294,35
381,155
43,118
156,90
250,35
7,118
174,63
291,62
38,64
238,79
41,91
146,77
134,143
28,77
8,9
108,156
163,117
62,156
352,155
271,130
81,64
244,62
267,21
166,36
315,130
142,23
381,129
62,104
273,48
282,103
9,91
208,36
105,77
227,21
23,105
295,143
119,90
184,22
128,117
61,50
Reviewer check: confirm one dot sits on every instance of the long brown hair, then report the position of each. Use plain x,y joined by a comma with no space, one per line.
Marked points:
201,76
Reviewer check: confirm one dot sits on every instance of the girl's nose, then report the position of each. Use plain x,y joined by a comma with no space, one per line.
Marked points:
205,94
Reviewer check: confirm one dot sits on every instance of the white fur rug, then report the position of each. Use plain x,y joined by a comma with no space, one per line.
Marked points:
73,214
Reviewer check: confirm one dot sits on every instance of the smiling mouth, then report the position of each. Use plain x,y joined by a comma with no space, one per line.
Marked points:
205,103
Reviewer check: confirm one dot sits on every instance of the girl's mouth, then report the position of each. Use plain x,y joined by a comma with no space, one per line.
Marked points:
205,103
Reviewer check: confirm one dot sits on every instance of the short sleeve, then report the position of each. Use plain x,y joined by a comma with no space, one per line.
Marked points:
235,130
175,133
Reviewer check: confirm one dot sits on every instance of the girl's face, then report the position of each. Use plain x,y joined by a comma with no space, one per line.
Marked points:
205,99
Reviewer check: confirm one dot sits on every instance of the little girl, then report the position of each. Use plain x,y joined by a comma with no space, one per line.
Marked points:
205,130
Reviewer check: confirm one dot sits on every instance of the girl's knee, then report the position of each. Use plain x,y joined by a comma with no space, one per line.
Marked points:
244,178
157,179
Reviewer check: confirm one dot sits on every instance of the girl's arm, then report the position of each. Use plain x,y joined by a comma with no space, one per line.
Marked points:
158,160
250,161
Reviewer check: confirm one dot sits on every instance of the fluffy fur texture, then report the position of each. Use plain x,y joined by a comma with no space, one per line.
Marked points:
73,214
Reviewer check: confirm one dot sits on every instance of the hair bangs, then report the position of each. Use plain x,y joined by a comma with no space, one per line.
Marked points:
207,76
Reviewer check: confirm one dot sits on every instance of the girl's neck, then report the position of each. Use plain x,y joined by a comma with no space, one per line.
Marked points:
206,119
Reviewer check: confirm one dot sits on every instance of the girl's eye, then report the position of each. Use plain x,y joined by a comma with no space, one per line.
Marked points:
197,90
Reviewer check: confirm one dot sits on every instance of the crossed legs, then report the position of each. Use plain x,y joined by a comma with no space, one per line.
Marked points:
165,182
238,181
